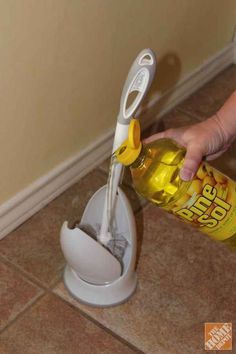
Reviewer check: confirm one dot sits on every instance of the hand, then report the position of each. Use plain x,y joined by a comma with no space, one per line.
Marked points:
207,140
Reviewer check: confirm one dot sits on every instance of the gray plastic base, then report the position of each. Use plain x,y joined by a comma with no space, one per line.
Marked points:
110,294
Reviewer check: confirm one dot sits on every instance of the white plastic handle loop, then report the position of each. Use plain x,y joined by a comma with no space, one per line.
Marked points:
146,59
138,80
139,84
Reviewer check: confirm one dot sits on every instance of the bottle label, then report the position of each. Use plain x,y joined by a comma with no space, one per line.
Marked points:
209,203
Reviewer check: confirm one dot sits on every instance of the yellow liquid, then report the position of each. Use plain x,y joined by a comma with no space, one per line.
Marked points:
155,176
156,172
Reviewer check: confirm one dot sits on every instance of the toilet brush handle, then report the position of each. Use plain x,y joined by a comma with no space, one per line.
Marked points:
138,81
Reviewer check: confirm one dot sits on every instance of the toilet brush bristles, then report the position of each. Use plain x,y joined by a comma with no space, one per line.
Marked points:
116,245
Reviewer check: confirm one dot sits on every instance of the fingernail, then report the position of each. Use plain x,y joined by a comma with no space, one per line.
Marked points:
186,175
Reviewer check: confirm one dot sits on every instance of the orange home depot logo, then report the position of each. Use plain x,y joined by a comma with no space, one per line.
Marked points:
218,336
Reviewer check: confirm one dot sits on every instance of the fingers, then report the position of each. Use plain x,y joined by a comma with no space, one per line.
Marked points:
195,150
192,160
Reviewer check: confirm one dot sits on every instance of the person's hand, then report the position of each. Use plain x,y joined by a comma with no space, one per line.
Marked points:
207,140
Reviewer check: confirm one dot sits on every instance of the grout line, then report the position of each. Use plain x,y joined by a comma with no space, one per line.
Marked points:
83,314
30,278
25,274
99,324
43,291
21,313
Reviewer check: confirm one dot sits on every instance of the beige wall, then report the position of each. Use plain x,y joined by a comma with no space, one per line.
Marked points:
63,64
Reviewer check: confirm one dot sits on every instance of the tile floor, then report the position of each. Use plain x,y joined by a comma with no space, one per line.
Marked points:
185,279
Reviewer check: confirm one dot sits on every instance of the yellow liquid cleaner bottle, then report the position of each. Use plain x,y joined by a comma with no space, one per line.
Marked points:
208,201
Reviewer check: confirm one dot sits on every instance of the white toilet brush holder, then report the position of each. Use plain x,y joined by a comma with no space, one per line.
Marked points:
94,274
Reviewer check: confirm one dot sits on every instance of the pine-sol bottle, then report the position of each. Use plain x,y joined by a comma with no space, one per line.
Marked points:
208,201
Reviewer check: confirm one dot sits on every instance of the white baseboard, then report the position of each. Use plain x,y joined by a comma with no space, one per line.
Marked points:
28,201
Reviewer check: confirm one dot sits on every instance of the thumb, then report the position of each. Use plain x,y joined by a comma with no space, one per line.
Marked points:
191,163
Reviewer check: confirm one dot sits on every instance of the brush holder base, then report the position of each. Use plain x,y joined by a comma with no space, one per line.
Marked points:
93,275
107,295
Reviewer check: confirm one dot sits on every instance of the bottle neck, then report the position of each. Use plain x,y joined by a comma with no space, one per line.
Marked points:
139,160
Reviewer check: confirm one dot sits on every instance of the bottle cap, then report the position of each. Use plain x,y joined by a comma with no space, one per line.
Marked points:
128,152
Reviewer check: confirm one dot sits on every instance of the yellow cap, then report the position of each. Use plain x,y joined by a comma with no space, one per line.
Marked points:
130,149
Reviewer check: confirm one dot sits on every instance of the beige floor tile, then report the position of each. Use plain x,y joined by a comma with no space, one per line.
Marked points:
184,280
53,327
35,245
134,320
16,293
207,100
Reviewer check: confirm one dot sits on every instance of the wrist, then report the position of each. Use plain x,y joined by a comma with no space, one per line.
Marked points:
226,118
217,125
